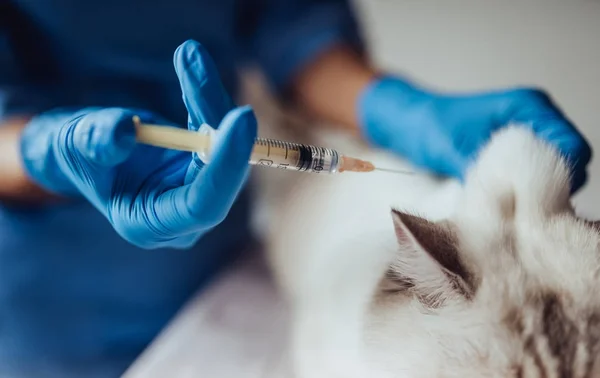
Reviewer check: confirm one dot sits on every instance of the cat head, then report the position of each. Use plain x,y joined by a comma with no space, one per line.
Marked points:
514,264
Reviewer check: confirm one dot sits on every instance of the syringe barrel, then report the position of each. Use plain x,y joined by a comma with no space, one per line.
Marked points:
284,155
294,156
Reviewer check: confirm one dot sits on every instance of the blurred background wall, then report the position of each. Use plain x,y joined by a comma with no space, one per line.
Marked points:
464,45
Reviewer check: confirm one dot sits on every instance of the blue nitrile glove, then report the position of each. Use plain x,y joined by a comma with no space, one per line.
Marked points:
443,133
153,197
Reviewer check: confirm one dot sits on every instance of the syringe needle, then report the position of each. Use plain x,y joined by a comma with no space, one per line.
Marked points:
350,164
394,171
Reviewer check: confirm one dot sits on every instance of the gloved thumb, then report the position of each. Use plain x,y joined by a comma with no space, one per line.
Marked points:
215,189
105,137
206,201
436,153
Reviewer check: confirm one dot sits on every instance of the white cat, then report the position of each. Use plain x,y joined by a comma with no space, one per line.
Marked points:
496,277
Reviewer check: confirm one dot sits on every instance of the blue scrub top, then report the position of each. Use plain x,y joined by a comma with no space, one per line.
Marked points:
75,299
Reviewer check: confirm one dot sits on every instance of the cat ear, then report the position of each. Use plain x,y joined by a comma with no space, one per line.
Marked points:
593,224
429,263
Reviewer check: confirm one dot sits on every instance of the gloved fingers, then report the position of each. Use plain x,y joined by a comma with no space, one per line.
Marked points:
450,163
536,109
572,146
578,180
215,189
206,201
203,93
104,138
437,153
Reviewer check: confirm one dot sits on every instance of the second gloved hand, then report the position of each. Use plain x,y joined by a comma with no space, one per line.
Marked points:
153,197
442,133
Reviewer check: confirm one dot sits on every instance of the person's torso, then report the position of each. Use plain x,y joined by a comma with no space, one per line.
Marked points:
120,53
71,290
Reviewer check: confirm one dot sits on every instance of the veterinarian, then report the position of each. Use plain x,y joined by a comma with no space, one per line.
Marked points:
103,240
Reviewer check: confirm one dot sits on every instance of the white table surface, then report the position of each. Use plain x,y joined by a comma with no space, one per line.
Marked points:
237,327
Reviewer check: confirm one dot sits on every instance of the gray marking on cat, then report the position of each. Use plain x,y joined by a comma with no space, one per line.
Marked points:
561,334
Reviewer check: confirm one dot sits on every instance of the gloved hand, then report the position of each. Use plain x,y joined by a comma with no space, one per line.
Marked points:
153,197
442,133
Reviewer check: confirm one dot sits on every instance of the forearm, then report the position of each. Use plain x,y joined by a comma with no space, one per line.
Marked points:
15,185
329,87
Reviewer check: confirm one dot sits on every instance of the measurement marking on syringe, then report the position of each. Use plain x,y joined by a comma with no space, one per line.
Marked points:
286,152
268,149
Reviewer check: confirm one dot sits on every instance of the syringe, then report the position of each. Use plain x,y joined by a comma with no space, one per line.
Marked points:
266,152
